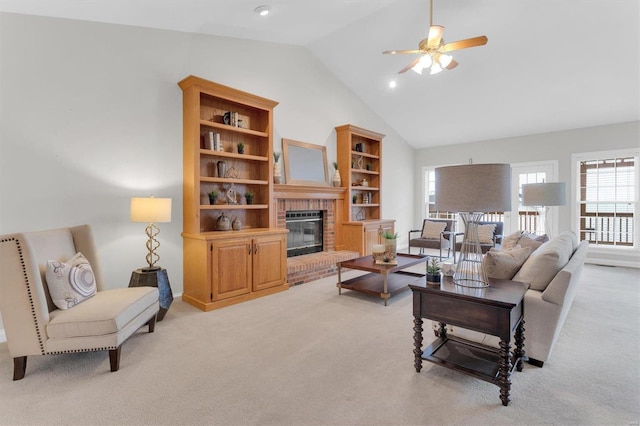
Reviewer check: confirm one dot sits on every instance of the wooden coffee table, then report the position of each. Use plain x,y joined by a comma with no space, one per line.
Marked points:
384,280
497,310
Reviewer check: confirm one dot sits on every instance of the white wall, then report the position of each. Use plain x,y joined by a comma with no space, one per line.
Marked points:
546,146
91,115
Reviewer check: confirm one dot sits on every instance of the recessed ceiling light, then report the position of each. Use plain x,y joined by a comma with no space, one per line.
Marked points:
262,10
392,84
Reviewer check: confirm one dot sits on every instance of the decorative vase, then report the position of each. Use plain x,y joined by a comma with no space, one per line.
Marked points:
222,169
337,181
277,173
390,245
224,224
236,224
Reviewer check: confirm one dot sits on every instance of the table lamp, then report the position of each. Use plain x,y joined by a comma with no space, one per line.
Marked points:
151,210
471,190
544,195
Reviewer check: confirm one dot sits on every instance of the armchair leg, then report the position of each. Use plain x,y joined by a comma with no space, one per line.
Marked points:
114,358
19,367
152,324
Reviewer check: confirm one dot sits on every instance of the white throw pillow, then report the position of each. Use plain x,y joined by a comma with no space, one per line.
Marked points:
511,240
503,264
70,282
532,240
485,233
432,230
545,262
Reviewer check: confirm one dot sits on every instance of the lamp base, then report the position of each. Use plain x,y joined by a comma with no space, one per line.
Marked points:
470,270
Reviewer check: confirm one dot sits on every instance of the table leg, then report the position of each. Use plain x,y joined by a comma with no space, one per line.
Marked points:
504,371
339,280
519,352
384,289
417,343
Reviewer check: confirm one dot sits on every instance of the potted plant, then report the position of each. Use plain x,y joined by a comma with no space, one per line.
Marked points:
390,246
433,271
249,197
240,148
213,196
354,198
368,166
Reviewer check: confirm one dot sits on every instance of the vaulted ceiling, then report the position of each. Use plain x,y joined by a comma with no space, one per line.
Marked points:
549,65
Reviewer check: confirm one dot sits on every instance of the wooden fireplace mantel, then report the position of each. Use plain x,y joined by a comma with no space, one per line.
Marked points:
308,192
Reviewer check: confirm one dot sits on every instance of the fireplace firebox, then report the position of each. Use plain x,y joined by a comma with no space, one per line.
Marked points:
305,232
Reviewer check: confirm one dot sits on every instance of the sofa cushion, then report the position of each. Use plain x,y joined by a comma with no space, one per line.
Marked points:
432,230
503,264
545,262
70,282
106,313
485,233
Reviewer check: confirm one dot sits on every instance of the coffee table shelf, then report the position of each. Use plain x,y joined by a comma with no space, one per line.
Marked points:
383,281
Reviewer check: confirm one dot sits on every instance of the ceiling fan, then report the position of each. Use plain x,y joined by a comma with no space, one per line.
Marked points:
433,50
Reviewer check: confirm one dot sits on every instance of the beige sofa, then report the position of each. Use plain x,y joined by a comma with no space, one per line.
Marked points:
35,325
553,271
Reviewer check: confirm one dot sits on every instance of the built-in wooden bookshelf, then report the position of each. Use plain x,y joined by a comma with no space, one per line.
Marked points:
221,266
359,154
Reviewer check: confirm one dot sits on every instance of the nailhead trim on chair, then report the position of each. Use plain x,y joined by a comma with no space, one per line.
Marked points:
109,348
29,293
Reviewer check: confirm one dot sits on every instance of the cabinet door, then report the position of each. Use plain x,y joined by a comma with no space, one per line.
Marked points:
269,261
371,233
370,238
231,266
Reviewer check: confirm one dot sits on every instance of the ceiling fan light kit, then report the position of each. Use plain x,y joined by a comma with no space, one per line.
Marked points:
433,49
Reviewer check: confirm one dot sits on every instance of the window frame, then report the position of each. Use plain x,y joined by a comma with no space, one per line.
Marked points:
576,159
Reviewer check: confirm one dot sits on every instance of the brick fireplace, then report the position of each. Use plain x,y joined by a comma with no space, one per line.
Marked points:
329,200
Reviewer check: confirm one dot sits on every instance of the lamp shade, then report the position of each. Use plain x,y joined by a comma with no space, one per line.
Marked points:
473,188
544,194
150,209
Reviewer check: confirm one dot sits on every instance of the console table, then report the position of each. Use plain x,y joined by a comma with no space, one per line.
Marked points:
497,310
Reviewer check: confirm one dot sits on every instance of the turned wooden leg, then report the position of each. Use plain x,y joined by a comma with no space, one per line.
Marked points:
504,372
417,342
19,367
152,324
519,352
114,358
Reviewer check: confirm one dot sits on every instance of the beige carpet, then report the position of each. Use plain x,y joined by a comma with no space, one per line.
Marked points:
309,356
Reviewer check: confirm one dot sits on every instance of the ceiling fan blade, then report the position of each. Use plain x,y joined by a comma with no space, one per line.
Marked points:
400,52
464,44
452,64
435,36
411,65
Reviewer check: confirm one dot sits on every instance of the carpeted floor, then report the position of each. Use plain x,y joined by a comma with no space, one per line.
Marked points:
309,356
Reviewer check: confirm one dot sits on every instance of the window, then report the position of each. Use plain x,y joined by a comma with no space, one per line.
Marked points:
430,201
608,198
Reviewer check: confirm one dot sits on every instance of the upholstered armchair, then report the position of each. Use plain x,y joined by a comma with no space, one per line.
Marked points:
33,321
490,235
435,234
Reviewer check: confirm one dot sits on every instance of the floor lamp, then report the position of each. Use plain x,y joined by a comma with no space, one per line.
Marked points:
544,195
472,190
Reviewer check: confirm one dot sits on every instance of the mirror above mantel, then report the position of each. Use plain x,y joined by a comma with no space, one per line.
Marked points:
305,163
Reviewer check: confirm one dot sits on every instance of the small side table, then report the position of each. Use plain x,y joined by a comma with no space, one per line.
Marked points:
154,278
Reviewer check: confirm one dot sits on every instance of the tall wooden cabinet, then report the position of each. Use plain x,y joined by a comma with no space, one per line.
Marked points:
222,267
360,165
